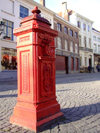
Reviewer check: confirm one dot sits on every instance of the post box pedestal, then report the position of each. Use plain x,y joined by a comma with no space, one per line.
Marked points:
36,101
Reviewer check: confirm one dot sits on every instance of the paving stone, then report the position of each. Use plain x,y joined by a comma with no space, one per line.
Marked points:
78,95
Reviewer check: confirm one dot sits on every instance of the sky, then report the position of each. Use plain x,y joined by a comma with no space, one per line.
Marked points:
87,8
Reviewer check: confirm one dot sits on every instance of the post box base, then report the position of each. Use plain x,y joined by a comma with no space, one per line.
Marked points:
31,124
32,118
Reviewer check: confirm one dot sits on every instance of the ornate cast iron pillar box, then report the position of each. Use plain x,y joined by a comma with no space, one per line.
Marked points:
36,102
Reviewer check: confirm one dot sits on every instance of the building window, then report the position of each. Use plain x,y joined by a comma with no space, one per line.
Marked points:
76,35
66,45
59,27
80,60
8,29
79,40
98,48
88,28
24,12
98,39
84,41
71,32
94,38
65,30
71,46
85,61
76,48
77,62
95,48
59,42
90,42
84,27
79,24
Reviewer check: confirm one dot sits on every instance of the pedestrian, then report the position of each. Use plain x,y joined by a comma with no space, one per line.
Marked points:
89,69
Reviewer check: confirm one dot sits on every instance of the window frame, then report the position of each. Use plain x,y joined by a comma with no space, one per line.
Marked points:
66,45
78,24
59,41
85,41
7,26
22,13
84,26
59,27
65,30
71,32
76,35
71,46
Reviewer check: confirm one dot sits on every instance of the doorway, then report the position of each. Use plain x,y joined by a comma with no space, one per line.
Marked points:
90,62
66,64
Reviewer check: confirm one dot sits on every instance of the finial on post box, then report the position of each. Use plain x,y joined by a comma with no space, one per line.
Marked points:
36,10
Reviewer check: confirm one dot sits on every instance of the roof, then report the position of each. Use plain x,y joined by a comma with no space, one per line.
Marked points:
67,22
84,17
70,12
95,30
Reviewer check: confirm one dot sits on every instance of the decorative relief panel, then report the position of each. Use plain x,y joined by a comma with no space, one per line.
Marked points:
45,39
25,72
46,43
50,51
47,78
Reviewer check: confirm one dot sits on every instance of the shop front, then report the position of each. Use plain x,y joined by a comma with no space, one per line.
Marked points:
8,59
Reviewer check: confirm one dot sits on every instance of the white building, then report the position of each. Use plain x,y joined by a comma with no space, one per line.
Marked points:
85,39
11,13
96,46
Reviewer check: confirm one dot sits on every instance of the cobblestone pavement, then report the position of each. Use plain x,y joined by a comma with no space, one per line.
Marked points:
78,95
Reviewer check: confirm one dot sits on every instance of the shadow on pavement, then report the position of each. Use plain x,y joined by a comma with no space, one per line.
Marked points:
9,95
71,115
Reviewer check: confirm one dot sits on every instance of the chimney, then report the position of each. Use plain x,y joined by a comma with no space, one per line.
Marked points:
64,8
42,2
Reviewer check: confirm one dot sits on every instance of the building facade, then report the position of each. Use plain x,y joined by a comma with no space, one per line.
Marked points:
67,46
85,39
96,46
85,35
11,14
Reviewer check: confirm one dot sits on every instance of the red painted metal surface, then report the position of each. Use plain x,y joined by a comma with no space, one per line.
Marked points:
36,102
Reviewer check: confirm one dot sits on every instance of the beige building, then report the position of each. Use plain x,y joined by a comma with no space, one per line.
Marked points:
11,14
85,39
96,47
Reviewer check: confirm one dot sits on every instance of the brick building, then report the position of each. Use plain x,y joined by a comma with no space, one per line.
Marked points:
67,46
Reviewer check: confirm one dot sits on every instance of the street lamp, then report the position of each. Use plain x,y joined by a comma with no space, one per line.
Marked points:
1,27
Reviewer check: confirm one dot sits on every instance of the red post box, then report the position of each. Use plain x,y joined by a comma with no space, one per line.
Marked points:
36,102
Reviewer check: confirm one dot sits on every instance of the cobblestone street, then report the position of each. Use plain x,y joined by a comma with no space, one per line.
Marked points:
78,95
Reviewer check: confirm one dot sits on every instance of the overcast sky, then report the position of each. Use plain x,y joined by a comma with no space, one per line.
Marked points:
87,8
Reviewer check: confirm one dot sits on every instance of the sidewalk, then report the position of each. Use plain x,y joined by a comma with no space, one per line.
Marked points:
8,75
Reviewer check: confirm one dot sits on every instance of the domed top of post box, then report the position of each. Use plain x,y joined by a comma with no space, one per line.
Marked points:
36,16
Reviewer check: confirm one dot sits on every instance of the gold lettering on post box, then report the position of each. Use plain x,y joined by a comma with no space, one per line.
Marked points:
25,39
